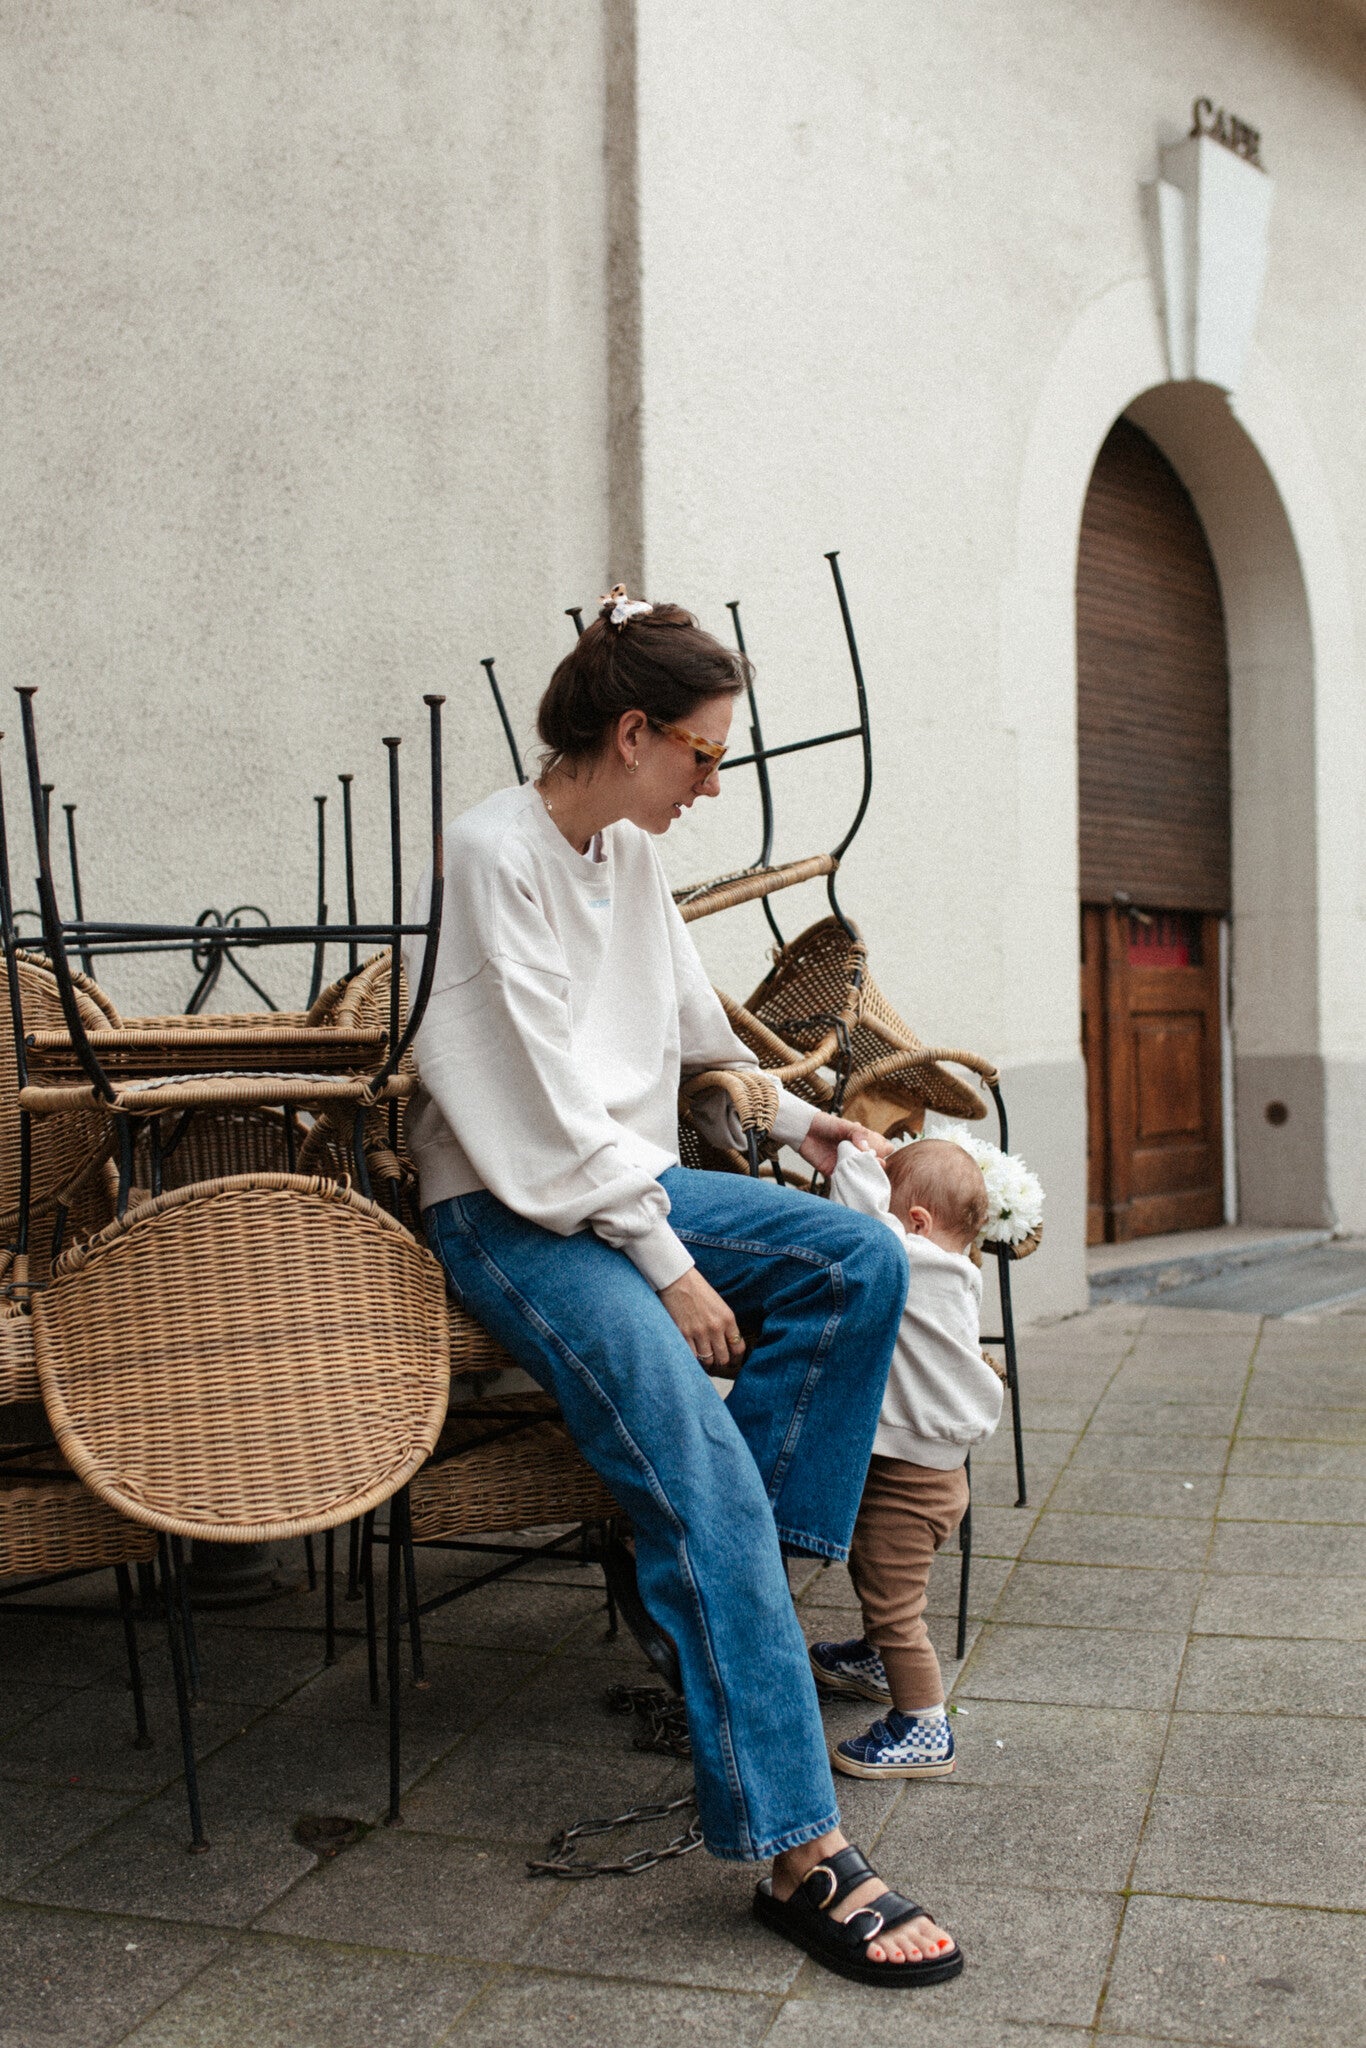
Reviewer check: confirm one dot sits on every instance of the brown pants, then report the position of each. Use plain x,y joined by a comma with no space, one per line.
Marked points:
907,1513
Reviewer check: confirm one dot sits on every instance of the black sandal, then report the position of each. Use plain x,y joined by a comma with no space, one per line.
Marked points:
841,1945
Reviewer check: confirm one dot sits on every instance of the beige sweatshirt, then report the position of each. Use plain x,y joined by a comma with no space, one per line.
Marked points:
942,1398
567,1000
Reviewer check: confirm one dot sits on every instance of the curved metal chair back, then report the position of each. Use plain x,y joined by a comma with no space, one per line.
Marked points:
247,1359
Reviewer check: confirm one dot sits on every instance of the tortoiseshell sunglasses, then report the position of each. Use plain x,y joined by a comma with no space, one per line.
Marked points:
706,753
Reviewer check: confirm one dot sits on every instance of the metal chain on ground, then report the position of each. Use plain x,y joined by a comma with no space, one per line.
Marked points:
665,1731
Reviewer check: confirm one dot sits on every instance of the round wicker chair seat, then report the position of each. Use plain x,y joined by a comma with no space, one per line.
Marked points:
246,1359
52,1524
490,1475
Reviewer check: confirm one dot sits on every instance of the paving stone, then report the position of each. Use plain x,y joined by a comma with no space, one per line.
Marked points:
1160,1494
280,1766
1065,1414
51,1649
253,1666
1074,1667
1293,1500
1007,1742
1172,1545
582,2012
81,1981
515,1616
1252,1755
1044,1449
142,1865
564,1704
282,1994
89,1736
1203,1970
38,1823
987,1577
995,1485
1123,1414
831,1587
1050,1838
489,1791
1291,1549
1002,1532
1261,1455
1319,1383
1101,1451
1270,1850
1266,1606
1017,1973
462,1688
1099,1596
690,1923
1302,1424
1236,1675
20,1703
420,1894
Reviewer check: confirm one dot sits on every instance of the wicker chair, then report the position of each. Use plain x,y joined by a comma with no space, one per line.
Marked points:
246,1360
51,1527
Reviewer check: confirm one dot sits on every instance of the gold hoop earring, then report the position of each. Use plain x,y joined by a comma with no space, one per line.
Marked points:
632,766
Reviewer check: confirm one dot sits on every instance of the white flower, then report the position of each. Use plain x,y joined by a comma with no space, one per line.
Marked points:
1014,1193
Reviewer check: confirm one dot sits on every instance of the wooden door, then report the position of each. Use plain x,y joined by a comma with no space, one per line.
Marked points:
1151,1032
1154,809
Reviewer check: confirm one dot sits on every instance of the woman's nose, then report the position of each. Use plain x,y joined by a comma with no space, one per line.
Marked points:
712,785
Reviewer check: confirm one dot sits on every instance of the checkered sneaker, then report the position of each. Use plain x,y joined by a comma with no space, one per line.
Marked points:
902,1746
854,1668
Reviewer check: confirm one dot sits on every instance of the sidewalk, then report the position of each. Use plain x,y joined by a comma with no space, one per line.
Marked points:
1157,1831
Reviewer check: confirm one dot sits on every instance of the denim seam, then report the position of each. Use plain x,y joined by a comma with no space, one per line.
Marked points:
817,1367
760,1250
532,1315
780,1844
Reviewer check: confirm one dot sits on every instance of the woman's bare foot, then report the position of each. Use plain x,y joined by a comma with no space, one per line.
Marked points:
905,1944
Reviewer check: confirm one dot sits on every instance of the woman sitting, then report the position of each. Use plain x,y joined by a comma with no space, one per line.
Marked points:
567,1000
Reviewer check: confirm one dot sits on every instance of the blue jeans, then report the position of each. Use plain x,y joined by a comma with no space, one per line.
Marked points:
715,1489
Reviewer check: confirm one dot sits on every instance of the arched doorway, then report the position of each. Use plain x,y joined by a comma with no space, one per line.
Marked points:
1155,846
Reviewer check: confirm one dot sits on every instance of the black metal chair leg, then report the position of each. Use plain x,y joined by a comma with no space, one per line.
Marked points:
964,1566
199,1840
182,1596
394,1620
353,1562
367,1567
311,1561
147,1590
1012,1376
330,1597
142,1740
410,1595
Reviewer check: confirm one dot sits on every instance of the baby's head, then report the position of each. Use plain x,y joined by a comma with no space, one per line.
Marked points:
938,1192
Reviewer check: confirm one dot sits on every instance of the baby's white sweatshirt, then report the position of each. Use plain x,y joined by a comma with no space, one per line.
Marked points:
942,1397
567,1000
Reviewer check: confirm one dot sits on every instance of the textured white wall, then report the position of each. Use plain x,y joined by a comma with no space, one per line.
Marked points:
302,339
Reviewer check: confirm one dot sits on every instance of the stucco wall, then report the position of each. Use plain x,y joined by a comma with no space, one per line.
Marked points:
302,336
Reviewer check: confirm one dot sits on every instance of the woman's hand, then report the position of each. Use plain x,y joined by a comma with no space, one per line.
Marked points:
820,1146
712,1333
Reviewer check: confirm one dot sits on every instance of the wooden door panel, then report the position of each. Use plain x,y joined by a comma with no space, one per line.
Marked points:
1169,1066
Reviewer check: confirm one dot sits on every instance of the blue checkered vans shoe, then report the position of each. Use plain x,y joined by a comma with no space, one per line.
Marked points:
902,1746
853,1667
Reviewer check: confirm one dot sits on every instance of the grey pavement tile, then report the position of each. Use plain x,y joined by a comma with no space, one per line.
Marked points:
1002,1532
20,1703
1074,1667
1123,1414
1302,1422
1178,1385
141,1865
283,1994
1334,1609
1043,1448
491,1791
690,1923
1161,1545
1270,1850
1100,1451
52,1649
1293,1500
1253,1756
830,1587
985,1580
282,1766
1099,1596
420,1894
81,1981
253,1666
1066,1416
1296,1549
943,2016
1240,1675
1268,1457
1203,1970
1174,1322
513,1616
583,2012
90,1736
1327,1383
38,1823
1160,1494
462,1686
565,1705
1008,1742
994,1486
1042,1838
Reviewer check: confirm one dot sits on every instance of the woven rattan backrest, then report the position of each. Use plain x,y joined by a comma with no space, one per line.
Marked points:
18,1365
247,1359
816,981
217,1143
61,1145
